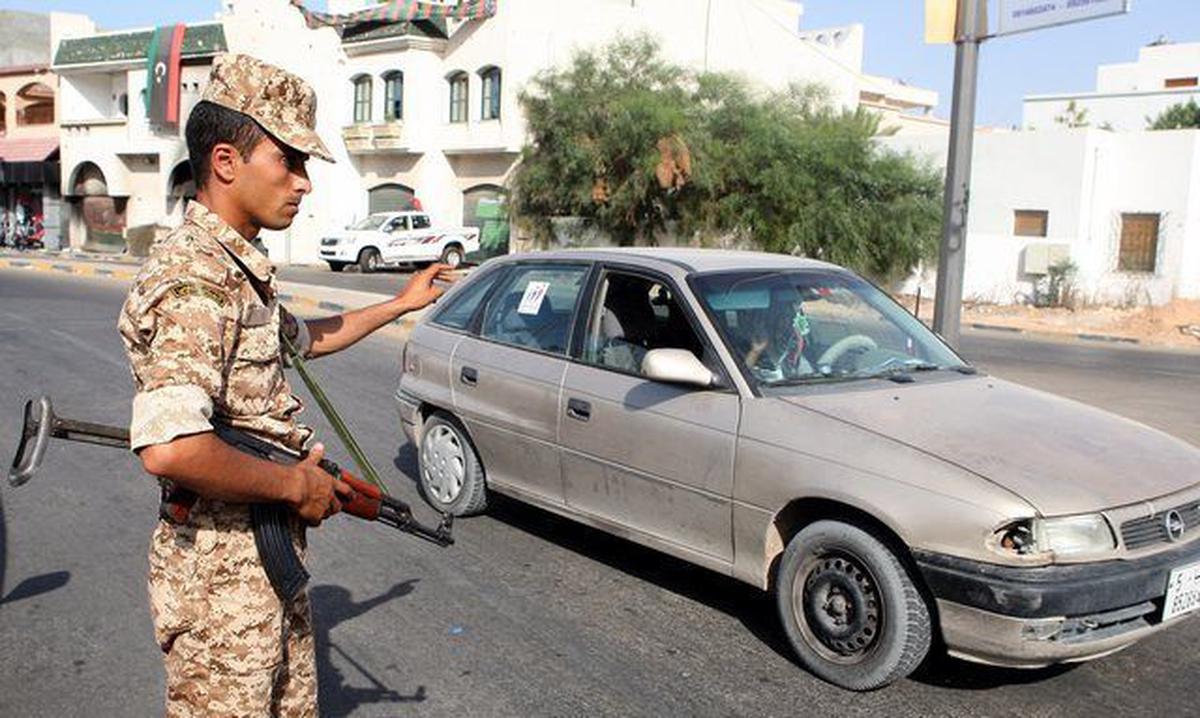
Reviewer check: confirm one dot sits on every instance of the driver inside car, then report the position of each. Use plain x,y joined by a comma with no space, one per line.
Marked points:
776,338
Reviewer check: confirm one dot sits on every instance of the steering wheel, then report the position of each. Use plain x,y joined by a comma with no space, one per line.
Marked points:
853,342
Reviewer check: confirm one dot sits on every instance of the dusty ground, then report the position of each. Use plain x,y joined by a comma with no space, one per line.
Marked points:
1176,324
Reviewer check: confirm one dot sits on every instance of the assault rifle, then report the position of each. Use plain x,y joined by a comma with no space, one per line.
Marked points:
271,535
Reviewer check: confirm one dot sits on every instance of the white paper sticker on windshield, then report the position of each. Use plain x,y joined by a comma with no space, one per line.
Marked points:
531,302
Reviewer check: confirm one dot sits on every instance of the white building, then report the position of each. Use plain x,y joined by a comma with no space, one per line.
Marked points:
1123,206
118,175
1128,95
427,109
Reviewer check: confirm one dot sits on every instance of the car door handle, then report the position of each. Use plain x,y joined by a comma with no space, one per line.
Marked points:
579,410
468,376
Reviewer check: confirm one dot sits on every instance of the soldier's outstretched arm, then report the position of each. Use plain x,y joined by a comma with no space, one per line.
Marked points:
331,334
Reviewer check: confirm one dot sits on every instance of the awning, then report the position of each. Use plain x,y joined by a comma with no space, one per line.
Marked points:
34,149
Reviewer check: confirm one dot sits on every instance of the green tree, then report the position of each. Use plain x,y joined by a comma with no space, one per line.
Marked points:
1177,117
624,138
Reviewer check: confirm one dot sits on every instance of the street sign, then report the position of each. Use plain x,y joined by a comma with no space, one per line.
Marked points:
1021,15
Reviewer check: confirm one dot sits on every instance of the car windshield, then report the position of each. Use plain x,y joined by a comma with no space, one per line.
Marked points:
813,326
371,221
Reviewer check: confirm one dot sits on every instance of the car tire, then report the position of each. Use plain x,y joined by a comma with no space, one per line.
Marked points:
449,473
452,255
850,608
336,266
368,260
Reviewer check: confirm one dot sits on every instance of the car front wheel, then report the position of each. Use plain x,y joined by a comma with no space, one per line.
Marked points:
368,260
849,607
451,477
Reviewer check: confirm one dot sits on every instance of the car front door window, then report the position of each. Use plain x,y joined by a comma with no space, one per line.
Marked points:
633,315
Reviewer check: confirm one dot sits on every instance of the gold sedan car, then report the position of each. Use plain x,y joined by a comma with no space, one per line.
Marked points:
784,422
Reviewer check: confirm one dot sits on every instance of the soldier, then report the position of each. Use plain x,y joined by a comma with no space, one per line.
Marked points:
202,326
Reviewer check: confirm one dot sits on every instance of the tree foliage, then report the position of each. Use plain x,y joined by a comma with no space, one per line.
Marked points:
633,143
1178,117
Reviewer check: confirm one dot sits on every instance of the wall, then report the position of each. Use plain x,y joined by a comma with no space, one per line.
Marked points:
1126,111
1085,179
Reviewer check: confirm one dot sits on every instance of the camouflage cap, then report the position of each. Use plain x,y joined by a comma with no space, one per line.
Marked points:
281,102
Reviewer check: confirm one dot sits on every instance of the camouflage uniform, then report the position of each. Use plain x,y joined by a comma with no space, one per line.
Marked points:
203,345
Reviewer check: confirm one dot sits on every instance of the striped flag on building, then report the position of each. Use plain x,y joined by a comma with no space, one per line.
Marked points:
403,11
162,76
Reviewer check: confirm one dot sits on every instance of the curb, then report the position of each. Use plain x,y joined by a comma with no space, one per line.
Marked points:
304,305
1110,338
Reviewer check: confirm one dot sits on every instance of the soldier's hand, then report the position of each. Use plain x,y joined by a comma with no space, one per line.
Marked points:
420,290
317,491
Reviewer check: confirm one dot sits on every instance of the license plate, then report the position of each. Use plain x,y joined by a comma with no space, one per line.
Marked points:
1183,592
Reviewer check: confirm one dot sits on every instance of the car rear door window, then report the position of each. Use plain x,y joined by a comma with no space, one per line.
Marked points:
420,221
460,309
534,307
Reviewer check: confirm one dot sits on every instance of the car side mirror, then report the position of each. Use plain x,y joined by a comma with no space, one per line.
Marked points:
677,366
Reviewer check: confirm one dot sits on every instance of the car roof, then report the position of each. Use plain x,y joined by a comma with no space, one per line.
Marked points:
690,260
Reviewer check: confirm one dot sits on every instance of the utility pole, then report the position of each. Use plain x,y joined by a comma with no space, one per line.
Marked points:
947,308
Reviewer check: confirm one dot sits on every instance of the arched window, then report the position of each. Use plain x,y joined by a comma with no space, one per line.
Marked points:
35,104
490,97
458,97
362,99
393,96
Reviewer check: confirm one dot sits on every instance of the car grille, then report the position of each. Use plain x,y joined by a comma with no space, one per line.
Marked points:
329,242
1139,533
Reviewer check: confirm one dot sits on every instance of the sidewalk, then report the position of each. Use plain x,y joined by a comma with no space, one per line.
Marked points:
306,300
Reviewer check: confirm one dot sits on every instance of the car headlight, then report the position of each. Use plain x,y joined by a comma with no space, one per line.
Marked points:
1069,537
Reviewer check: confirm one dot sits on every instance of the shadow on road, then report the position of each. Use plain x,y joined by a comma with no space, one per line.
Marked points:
333,605
37,585
943,671
753,608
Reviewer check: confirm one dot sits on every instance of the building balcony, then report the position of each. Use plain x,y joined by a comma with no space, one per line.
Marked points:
373,139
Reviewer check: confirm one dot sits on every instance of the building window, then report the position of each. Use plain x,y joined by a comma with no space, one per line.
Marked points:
1139,243
393,96
1030,222
35,104
490,109
362,99
1182,82
458,97
3,114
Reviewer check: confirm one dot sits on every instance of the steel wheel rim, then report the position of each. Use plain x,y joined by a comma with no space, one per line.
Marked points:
453,258
372,260
443,463
838,606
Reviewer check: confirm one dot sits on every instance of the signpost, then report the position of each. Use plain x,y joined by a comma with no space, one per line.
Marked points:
970,29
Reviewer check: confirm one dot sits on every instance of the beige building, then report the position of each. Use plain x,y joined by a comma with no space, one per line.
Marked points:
29,168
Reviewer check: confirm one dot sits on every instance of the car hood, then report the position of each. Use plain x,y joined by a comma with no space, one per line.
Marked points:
354,235
1061,456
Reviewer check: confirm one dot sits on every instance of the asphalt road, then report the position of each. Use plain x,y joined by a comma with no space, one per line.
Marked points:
527,614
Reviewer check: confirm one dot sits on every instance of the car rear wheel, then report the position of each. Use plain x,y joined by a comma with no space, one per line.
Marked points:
451,477
452,255
336,266
368,260
849,607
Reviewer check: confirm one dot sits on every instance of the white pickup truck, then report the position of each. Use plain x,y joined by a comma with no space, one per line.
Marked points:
391,238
